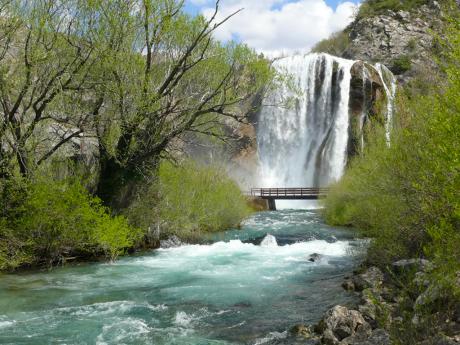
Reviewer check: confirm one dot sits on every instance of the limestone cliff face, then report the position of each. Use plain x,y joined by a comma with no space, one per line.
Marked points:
401,40
367,93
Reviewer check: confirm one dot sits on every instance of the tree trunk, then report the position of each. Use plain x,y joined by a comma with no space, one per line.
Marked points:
117,185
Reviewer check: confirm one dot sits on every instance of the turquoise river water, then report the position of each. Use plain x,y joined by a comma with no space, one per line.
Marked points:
236,290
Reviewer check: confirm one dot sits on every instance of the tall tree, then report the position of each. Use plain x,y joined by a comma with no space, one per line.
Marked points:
177,78
48,55
134,74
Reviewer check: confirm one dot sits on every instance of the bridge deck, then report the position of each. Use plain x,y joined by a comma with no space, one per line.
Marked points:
289,193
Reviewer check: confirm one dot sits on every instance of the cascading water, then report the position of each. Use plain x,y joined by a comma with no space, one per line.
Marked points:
303,131
389,84
305,144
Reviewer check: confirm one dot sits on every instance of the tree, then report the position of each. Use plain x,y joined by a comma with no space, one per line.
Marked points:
134,74
177,79
48,53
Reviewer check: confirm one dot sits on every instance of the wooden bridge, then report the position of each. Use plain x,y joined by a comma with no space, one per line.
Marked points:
272,194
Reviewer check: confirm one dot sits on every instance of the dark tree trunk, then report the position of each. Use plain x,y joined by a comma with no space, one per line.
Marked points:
117,185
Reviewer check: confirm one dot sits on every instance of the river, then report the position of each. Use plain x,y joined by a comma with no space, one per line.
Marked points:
234,290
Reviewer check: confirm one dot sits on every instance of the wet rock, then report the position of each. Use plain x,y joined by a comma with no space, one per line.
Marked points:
303,331
314,257
371,278
171,242
410,265
269,241
339,323
348,284
331,239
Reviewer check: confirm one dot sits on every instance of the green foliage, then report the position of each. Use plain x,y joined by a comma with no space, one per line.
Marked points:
336,44
190,199
406,196
44,221
408,192
401,64
371,8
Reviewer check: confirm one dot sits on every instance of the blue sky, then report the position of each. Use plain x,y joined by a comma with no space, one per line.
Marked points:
279,27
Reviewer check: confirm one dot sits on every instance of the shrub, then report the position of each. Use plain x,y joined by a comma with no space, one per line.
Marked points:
190,199
371,8
44,221
336,44
409,191
401,64
406,197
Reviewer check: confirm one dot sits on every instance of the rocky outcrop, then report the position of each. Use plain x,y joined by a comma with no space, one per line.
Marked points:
367,94
401,40
370,278
341,325
171,242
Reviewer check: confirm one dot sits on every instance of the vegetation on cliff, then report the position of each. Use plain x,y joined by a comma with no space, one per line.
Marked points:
375,7
406,196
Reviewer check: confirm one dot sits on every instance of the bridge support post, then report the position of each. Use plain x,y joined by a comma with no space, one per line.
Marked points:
271,204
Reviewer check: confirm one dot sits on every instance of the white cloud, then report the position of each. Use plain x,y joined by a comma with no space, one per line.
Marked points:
277,27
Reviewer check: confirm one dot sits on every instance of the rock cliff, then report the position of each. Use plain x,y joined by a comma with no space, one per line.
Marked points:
402,40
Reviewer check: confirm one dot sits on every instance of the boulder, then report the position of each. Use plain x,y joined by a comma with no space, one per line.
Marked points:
348,284
339,323
314,257
172,242
269,241
331,239
371,278
303,331
410,265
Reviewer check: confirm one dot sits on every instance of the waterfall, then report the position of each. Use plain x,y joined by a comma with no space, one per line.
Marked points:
389,84
304,143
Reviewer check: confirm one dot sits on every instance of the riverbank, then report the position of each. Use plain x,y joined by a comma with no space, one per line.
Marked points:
392,307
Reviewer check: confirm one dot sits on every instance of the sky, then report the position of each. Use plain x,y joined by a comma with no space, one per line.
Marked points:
278,27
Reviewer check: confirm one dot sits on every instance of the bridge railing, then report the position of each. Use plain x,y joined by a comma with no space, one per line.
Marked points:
287,192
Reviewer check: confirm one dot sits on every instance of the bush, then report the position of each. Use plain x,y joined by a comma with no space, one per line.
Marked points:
190,199
45,221
336,44
401,64
371,8
409,192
